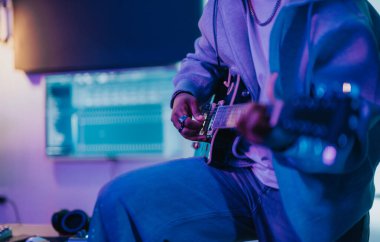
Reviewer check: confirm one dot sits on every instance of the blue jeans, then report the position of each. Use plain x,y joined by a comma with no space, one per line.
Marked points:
187,200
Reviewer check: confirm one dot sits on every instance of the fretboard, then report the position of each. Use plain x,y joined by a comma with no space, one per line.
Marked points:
227,116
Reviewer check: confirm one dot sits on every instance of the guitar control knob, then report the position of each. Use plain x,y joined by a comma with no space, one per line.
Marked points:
288,125
311,104
353,122
342,140
355,104
318,131
196,145
245,93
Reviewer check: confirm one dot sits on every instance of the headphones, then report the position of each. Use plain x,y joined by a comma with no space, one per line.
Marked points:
67,222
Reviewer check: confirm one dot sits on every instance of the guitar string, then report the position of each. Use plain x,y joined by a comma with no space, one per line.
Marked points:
226,112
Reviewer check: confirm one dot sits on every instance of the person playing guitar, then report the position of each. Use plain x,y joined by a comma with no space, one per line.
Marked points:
295,162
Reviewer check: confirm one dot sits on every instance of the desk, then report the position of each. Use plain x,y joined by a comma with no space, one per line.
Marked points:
22,231
33,229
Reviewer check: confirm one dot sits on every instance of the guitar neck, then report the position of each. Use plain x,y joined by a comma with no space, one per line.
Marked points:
334,119
227,116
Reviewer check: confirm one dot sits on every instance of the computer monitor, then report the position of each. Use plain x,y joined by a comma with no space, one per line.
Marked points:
122,113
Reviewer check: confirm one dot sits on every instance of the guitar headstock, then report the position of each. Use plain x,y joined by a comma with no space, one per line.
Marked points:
333,118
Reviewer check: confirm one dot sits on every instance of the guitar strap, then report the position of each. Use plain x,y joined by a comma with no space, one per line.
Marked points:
215,15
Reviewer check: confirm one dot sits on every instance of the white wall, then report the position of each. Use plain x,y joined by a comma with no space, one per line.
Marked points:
376,4
38,185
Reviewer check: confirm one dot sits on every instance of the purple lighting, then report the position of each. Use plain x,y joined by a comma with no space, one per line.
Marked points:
329,155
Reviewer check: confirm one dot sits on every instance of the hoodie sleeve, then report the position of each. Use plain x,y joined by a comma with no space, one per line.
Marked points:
199,70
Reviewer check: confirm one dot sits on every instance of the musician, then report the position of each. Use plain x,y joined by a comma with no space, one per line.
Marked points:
270,188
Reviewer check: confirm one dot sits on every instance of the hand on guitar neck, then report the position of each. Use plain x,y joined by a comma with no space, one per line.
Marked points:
257,120
254,123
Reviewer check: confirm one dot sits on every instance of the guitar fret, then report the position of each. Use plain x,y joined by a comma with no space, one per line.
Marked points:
217,120
227,116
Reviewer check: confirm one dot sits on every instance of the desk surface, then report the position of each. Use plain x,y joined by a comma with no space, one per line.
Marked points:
32,230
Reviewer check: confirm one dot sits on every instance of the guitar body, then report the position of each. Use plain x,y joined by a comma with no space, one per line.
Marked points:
219,149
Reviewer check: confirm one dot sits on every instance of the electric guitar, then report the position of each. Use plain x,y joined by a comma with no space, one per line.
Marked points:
333,118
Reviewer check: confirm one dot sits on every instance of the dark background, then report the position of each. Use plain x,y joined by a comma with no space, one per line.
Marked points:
64,35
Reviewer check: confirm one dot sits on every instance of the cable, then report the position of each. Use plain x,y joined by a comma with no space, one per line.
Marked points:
4,199
215,14
15,209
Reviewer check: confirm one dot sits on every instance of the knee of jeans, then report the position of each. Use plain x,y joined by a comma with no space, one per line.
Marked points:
117,189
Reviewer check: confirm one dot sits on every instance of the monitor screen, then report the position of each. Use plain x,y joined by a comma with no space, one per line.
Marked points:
111,114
